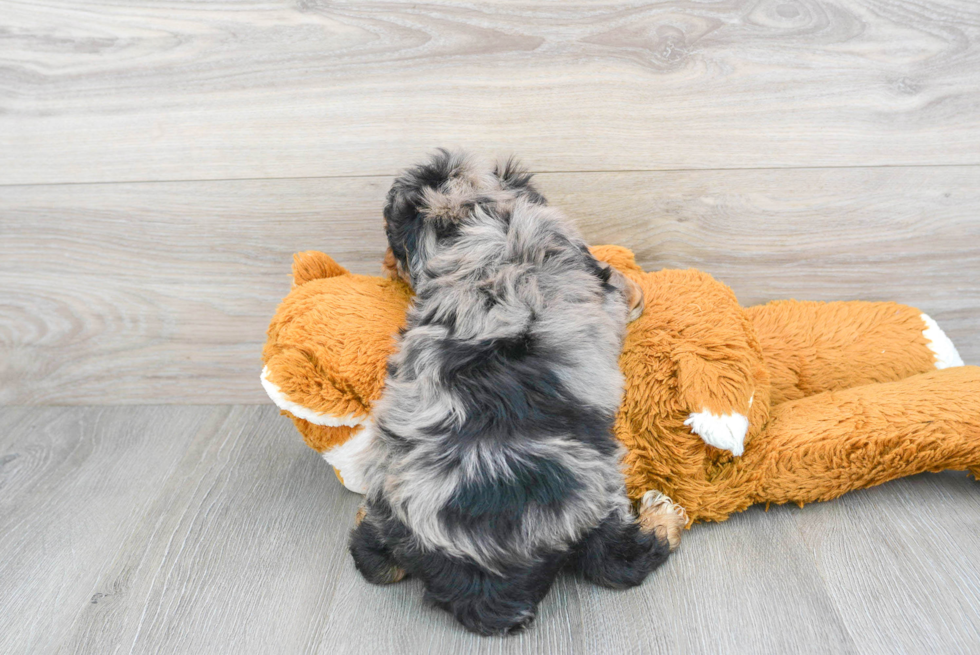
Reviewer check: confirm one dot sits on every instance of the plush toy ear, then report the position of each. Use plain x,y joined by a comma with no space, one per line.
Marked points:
313,265
621,258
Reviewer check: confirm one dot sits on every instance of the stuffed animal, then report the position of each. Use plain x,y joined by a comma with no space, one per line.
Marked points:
724,406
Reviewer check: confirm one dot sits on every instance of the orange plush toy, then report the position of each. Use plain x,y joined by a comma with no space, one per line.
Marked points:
724,406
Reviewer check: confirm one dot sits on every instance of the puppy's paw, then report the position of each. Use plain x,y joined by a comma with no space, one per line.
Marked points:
394,574
371,556
491,622
376,568
663,517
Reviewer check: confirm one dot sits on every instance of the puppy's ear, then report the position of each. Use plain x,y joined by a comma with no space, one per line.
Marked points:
514,177
632,291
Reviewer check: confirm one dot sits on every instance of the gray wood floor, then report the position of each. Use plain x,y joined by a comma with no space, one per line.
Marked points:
213,529
161,161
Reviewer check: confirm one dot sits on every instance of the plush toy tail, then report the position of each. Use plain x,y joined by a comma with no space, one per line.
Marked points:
819,447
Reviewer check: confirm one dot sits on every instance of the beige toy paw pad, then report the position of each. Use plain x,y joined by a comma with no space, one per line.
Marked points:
662,516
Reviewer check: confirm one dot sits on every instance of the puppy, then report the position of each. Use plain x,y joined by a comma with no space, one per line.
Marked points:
493,463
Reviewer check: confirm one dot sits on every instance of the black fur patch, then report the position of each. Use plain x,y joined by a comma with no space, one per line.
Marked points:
372,558
510,389
619,554
493,508
483,602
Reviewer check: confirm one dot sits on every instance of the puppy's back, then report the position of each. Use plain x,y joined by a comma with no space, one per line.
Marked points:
495,428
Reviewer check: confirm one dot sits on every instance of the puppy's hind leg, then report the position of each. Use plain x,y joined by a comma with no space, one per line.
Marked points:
371,556
622,550
483,602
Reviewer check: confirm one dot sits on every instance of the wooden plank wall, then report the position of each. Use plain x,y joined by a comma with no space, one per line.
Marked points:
159,163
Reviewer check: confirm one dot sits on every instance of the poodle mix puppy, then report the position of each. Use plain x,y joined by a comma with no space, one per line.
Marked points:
493,463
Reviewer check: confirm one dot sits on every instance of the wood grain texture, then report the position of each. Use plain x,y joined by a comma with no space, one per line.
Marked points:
917,554
239,552
74,482
161,293
215,530
747,585
176,90
818,149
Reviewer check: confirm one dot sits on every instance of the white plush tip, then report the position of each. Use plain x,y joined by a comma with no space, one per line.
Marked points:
347,458
725,431
939,343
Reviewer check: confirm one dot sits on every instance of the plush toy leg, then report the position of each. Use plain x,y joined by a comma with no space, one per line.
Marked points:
819,447
811,347
662,516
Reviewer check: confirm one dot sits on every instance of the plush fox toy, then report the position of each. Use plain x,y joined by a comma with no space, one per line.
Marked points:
724,406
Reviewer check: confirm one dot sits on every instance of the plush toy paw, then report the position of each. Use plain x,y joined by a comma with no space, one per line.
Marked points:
662,516
725,431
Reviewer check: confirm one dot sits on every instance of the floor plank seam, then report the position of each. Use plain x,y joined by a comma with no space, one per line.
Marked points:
383,176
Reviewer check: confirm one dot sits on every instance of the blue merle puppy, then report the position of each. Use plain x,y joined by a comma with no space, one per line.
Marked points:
493,464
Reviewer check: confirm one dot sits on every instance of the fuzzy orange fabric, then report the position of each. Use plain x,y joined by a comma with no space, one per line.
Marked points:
816,346
330,339
827,397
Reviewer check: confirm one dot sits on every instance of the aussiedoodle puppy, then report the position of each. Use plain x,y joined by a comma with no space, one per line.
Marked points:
493,463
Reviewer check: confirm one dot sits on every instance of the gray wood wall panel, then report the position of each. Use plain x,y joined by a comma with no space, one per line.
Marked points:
161,292
173,90
215,530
